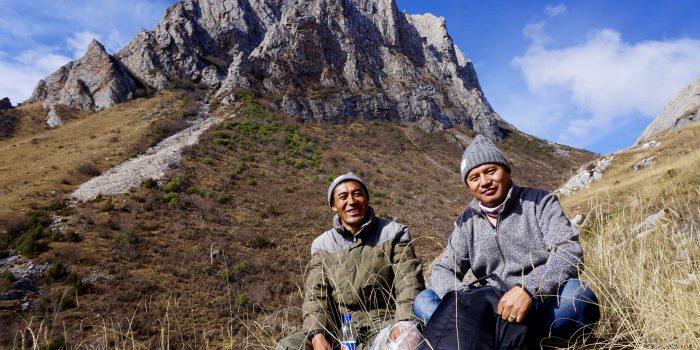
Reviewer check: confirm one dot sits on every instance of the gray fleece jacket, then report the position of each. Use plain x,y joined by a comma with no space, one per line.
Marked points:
532,245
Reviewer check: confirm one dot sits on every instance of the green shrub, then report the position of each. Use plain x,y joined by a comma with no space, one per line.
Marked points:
262,242
77,283
7,279
174,184
194,190
250,181
240,267
89,170
56,272
122,238
31,237
235,273
7,276
56,205
222,142
71,236
208,161
149,183
221,134
240,168
379,194
290,188
299,164
174,202
241,299
51,303
223,198
226,275
169,197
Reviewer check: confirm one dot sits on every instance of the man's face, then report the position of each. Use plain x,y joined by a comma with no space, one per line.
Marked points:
489,183
351,204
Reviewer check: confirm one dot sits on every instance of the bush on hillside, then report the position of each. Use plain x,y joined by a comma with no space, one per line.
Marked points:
89,170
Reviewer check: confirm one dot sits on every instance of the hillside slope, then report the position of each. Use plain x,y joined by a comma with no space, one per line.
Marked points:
216,252
641,238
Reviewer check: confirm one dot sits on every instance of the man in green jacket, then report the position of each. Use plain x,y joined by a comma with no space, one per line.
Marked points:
364,266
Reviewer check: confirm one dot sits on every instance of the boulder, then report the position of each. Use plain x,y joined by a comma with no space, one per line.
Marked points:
586,175
5,103
649,224
643,164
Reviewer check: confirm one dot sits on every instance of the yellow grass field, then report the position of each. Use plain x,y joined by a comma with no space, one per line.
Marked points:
647,283
39,164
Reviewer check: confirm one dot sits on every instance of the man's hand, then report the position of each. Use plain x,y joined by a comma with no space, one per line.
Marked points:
319,342
515,305
395,333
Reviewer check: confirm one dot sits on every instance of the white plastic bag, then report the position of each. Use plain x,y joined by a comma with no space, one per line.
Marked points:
409,338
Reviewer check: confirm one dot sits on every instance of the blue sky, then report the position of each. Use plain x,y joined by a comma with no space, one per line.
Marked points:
590,74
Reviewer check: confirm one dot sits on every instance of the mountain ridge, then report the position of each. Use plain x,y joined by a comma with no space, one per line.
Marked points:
335,60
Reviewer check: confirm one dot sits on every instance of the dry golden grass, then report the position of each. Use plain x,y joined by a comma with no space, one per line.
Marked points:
647,285
36,161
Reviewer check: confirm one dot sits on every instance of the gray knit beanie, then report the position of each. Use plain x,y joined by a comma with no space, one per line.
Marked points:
479,152
342,178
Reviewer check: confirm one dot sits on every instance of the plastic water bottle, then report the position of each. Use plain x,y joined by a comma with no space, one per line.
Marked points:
347,339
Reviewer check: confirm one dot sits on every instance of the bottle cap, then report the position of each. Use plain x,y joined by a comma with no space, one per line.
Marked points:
347,318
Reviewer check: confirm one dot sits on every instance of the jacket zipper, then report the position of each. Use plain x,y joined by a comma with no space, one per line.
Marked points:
498,243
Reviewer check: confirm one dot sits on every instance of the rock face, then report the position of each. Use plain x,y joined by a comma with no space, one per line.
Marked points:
94,82
324,60
586,175
5,103
682,110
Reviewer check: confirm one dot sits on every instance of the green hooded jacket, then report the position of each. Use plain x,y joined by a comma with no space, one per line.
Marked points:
373,275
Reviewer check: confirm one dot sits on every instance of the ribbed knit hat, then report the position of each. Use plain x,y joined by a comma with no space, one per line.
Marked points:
342,178
479,152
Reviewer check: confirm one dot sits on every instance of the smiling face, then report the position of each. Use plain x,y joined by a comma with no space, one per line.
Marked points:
351,204
489,183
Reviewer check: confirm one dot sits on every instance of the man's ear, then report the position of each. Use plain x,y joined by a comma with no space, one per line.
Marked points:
334,209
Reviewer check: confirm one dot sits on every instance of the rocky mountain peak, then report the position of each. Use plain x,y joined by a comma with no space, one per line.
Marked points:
326,60
680,111
94,82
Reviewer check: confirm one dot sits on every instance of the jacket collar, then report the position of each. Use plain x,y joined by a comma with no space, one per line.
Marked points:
510,199
370,219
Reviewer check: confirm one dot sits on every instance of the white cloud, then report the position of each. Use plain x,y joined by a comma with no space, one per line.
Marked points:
535,32
80,41
42,60
607,80
39,36
555,10
21,74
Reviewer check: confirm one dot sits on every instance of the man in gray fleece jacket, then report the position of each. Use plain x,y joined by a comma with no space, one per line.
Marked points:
521,236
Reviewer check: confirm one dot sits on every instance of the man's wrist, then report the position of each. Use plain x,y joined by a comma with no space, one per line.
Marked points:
310,336
525,290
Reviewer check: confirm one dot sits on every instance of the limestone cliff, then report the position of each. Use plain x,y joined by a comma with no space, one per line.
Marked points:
94,82
321,60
